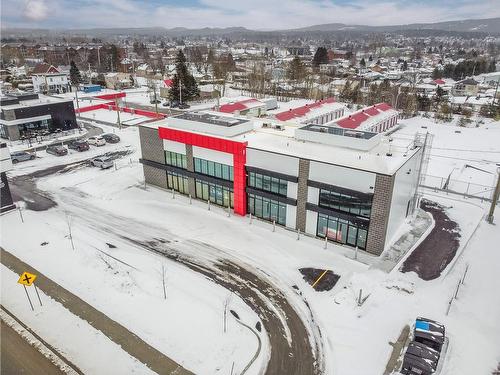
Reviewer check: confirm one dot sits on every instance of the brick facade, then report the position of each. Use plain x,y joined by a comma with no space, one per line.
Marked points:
155,176
381,207
190,168
152,149
302,195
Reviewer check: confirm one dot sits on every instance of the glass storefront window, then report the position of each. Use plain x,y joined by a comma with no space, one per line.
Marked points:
267,183
357,205
267,209
341,230
217,194
175,159
177,182
211,168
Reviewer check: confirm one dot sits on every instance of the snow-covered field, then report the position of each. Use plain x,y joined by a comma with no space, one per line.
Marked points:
187,326
468,154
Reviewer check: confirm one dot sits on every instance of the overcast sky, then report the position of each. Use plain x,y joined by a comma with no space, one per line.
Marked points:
254,14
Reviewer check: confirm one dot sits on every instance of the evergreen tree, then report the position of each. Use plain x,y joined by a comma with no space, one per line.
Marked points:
183,82
437,73
345,93
362,63
320,57
296,70
74,74
438,97
405,66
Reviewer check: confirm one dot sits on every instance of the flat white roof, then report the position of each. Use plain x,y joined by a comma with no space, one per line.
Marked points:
42,100
374,160
284,142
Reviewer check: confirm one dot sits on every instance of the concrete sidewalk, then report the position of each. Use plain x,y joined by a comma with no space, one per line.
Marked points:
129,342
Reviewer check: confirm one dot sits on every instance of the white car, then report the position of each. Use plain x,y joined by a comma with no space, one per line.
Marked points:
96,141
102,162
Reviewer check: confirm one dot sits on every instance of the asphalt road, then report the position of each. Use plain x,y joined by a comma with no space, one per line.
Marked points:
19,357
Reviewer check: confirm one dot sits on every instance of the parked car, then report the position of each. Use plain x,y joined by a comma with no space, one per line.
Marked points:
424,352
18,156
102,162
96,141
153,101
430,333
57,150
177,104
111,138
79,145
419,359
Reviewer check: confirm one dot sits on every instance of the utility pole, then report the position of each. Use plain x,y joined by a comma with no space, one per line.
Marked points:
118,114
99,58
77,102
494,201
156,100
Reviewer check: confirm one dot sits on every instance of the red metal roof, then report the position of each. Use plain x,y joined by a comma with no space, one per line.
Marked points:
237,106
352,121
301,111
383,107
168,82
372,111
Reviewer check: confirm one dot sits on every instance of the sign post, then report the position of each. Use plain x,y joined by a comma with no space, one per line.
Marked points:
27,279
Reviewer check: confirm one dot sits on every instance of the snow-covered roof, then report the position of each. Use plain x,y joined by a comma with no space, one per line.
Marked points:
366,118
280,138
240,105
309,111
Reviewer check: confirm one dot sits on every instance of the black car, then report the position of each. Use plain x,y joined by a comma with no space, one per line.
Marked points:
430,333
183,106
419,359
57,150
79,145
111,138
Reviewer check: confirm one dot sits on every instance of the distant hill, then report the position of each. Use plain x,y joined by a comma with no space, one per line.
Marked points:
487,25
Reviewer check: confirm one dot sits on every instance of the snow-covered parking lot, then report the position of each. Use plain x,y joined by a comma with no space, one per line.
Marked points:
114,221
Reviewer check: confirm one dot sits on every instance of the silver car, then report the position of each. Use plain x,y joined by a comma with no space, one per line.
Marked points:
21,156
102,162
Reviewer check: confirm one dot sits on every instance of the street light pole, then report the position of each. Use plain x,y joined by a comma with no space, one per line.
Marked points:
495,197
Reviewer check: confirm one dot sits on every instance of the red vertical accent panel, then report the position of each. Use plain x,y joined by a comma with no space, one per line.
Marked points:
237,149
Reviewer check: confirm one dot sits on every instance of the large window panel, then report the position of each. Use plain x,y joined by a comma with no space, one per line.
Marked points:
225,171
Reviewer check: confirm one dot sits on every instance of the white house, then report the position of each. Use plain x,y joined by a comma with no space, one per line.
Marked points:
48,79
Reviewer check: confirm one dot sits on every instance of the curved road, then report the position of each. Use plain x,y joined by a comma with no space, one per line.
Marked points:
293,349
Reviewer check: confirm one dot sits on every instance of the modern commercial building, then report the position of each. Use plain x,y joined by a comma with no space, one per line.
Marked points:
22,115
354,187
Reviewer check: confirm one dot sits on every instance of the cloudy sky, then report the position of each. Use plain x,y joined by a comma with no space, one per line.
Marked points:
255,14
